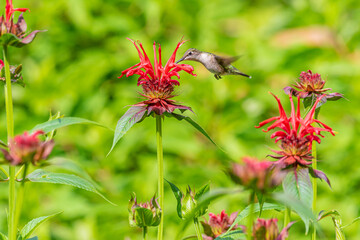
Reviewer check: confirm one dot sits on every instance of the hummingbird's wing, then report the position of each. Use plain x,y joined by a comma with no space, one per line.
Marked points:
226,61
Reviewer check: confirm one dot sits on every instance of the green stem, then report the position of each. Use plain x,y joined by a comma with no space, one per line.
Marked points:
287,216
160,159
144,233
314,184
20,196
251,216
197,229
10,134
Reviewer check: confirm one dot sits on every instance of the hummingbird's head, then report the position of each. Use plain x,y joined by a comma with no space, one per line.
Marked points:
190,54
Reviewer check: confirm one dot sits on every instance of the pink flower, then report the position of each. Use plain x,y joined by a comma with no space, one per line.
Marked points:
28,148
218,224
310,84
267,229
257,175
157,80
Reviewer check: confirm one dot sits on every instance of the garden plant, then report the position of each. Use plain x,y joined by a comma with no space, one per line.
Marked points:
189,159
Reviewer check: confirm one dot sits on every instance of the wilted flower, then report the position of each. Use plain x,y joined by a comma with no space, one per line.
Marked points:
267,229
296,135
15,73
27,148
219,224
311,85
14,33
147,214
257,175
156,81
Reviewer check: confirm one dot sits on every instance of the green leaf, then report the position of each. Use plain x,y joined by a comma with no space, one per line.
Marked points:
42,176
192,122
143,217
354,221
256,208
33,224
3,237
336,217
2,144
178,195
204,189
33,238
133,115
233,235
299,187
298,206
62,122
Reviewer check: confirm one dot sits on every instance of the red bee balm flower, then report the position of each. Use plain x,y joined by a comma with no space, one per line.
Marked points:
14,33
311,84
296,136
28,148
219,224
156,80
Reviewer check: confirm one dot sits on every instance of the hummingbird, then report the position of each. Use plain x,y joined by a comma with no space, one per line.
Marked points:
214,63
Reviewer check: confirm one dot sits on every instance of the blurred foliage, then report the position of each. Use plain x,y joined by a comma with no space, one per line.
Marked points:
73,68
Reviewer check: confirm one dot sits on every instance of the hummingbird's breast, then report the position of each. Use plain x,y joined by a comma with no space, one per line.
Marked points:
210,62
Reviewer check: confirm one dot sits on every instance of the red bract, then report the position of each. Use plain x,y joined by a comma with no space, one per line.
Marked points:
218,224
28,148
311,84
157,80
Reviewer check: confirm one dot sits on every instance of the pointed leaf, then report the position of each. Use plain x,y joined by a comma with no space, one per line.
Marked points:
233,235
302,209
336,217
33,238
143,217
204,189
256,208
133,115
193,123
42,176
3,237
62,122
178,195
33,224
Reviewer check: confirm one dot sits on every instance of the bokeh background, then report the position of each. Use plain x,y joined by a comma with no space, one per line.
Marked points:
73,68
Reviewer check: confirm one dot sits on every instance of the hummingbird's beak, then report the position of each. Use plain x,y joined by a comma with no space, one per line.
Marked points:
181,59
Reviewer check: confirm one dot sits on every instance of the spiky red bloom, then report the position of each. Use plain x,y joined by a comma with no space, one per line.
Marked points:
9,10
296,135
257,175
156,80
267,229
27,148
218,224
311,84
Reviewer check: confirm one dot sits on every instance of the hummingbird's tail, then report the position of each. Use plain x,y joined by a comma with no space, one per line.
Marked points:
233,70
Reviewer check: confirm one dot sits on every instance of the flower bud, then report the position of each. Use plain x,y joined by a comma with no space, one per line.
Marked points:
147,214
267,229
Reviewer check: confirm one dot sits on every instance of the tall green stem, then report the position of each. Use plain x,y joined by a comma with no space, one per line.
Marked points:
197,229
314,184
10,134
251,216
20,196
287,216
160,159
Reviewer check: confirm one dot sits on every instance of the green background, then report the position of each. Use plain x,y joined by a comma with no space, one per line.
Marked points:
73,68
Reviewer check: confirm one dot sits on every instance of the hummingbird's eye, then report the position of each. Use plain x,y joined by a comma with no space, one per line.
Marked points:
190,53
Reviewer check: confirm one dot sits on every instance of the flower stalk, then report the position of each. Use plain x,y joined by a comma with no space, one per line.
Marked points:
20,195
197,229
287,216
144,233
251,216
314,185
160,158
10,134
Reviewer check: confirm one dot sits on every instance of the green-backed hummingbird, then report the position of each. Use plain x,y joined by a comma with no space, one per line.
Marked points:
214,63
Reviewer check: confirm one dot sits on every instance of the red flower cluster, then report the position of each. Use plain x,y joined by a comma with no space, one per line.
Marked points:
311,84
218,224
27,148
296,135
257,175
156,80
